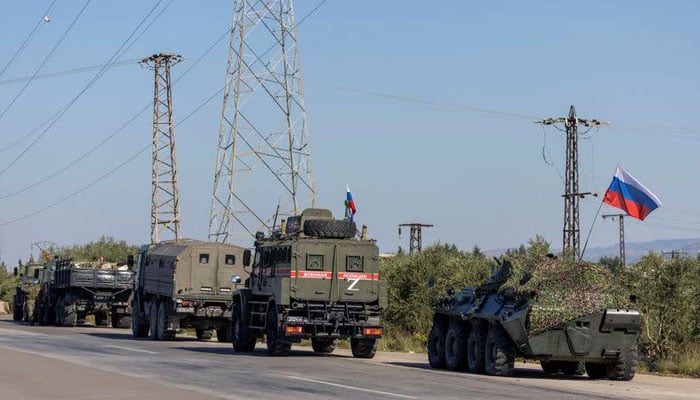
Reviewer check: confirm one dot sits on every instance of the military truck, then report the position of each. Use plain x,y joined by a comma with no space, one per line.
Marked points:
185,284
71,291
26,291
311,279
483,328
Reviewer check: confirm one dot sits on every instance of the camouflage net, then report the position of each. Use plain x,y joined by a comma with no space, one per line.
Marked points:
566,290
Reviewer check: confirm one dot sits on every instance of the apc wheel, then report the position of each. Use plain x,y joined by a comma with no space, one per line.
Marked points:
323,345
275,345
139,324
223,333
596,370
152,320
625,367
121,321
436,344
456,346
499,354
163,333
363,348
240,333
330,228
475,348
204,334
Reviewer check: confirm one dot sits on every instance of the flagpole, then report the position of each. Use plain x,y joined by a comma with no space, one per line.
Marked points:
590,231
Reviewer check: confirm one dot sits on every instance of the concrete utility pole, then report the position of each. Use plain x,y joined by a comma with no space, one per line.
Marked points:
416,239
621,217
165,197
572,231
263,137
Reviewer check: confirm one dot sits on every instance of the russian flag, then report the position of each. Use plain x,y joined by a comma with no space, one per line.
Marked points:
350,209
627,193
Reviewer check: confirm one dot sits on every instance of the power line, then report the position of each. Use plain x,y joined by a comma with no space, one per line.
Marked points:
29,37
68,71
46,59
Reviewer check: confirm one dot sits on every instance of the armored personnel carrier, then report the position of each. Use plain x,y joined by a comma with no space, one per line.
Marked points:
186,284
311,279
483,328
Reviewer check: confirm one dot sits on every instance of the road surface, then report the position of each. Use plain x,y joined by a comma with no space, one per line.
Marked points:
38,362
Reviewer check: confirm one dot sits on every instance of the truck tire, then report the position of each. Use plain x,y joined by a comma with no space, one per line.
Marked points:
363,348
17,310
456,346
153,320
223,333
204,334
499,353
70,317
163,333
596,370
436,343
275,345
121,321
475,348
625,367
59,311
323,345
243,341
139,329
330,228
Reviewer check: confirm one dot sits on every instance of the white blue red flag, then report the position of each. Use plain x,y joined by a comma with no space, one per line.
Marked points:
627,193
350,209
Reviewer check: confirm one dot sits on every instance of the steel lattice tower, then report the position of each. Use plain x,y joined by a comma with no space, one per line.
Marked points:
263,157
165,199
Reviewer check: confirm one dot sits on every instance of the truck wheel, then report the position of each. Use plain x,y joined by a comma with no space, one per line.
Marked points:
323,345
139,329
204,334
153,320
456,346
625,367
59,311
499,353
475,348
596,370
241,338
120,321
275,345
436,343
101,319
223,333
163,333
70,317
17,310
363,348
330,228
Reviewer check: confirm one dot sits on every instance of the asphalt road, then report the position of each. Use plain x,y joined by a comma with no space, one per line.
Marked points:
103,363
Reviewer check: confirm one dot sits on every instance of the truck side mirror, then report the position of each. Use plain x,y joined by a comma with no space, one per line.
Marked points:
246,258
15,271
36,274
130,260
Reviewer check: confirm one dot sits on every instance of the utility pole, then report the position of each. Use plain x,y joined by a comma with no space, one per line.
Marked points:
572,230
264,142
621,217
416,239
165,197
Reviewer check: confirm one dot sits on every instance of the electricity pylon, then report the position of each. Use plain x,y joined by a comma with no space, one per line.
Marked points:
415,242
263,160
572,230
165,197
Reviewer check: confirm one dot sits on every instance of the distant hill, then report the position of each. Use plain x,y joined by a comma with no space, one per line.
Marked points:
634,251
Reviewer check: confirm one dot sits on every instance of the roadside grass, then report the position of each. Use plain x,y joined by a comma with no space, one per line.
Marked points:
688,364
398,341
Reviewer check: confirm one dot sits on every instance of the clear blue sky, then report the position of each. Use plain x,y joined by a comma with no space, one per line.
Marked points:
479,178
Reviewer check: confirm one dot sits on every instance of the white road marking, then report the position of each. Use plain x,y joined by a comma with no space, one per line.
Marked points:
132,349
7,332
403,396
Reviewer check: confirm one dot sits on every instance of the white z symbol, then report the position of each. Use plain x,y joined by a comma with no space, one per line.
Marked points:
352,285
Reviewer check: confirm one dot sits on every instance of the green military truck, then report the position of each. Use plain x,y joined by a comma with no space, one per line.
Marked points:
70,291
26,291
185,284
311,279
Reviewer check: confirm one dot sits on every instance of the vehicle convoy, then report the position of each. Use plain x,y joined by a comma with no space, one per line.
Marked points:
26,291
483,328
185,284
311,279
71,291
